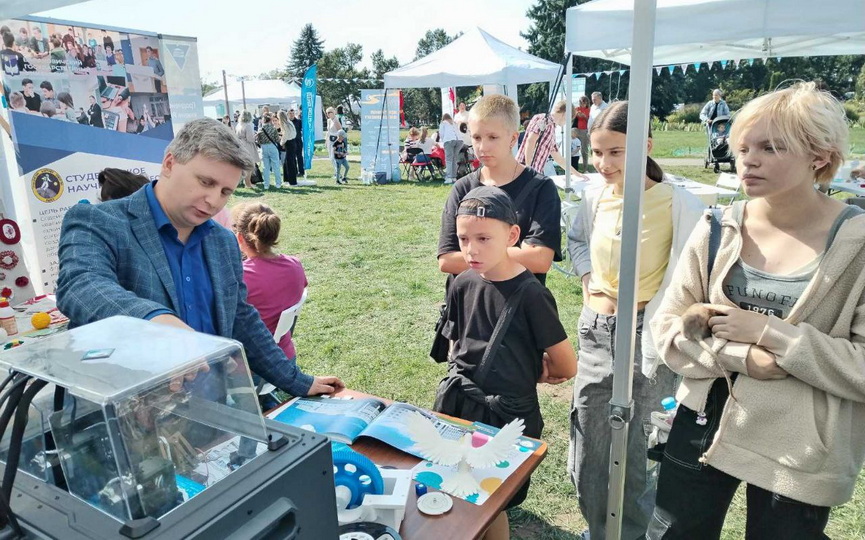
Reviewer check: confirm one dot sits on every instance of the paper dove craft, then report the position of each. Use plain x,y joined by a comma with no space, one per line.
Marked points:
448,452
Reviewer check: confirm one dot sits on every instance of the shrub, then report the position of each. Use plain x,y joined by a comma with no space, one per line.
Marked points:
736,99
689,114
852,112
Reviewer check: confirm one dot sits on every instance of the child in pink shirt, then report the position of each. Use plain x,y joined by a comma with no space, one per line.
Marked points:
275,282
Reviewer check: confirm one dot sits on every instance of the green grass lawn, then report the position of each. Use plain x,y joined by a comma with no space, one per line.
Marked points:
369,253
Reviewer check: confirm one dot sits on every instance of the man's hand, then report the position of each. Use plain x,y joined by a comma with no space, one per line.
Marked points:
171,320
325,385
176,383
736,324
545,374
762,366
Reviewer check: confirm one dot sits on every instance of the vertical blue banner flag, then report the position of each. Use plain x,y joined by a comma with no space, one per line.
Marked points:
307,97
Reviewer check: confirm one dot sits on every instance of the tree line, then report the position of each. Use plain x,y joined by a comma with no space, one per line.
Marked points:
341,77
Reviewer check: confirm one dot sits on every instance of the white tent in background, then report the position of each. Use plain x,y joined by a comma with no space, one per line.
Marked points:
663,32
475,58
273,92
710,30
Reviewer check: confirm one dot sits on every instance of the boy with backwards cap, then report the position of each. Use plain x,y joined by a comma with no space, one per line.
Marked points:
490,381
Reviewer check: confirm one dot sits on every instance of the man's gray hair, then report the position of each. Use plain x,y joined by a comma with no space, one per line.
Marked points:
246,117
600,95
212,139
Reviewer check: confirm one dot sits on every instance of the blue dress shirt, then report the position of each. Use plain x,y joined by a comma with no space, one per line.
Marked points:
188,269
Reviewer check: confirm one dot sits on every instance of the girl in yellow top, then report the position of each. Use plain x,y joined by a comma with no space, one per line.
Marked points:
594,243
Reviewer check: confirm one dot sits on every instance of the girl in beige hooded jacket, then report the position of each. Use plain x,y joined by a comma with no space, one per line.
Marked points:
779,401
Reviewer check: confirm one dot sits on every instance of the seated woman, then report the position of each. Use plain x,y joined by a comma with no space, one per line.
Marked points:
274,281
411,141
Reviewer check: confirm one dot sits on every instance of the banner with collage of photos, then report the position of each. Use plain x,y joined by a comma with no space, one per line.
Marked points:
81,99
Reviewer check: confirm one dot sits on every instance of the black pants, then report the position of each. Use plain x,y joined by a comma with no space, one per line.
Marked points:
289,164
298,155
693,499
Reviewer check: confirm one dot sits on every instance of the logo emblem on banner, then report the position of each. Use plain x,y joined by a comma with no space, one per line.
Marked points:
47,185
179,52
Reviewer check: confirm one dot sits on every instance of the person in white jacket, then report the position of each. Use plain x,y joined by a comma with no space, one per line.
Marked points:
594,243
780,402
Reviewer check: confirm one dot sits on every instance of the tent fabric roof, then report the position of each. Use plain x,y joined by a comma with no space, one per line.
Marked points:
709,30
257,92
474,58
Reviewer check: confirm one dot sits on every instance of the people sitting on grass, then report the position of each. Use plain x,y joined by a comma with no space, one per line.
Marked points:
534,348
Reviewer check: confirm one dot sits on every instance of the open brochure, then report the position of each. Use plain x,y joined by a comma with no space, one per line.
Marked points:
345,420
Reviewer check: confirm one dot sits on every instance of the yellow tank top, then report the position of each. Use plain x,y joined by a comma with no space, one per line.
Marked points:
655,244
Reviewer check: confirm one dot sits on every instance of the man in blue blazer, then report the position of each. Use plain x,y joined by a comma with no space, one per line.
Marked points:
157,255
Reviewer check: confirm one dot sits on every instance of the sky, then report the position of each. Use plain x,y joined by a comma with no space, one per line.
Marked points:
250,37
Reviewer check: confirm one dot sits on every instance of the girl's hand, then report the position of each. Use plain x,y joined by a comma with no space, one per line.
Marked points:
736,324
762,366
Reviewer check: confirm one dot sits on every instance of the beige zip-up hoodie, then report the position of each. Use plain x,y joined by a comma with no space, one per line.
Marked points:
802,436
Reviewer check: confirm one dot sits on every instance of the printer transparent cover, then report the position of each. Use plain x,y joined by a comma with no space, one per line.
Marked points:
153,415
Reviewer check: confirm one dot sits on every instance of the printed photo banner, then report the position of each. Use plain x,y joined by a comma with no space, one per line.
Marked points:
82,99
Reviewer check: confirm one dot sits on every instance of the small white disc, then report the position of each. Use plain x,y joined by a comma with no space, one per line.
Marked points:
434,503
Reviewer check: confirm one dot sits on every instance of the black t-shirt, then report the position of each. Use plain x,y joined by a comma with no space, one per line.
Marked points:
539,215
473,308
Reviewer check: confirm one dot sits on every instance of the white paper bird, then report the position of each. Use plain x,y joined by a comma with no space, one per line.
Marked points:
449,452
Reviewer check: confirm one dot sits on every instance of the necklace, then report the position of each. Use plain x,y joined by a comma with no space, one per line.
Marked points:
489,178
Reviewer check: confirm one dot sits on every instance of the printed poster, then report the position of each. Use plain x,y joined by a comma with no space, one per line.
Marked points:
379,143
81,99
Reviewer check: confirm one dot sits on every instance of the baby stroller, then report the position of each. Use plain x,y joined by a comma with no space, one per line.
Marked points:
718,151
467,162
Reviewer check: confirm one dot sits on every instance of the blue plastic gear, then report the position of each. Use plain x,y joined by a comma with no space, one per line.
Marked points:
358,473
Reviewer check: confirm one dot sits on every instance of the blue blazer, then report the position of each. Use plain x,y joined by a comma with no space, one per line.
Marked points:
112,263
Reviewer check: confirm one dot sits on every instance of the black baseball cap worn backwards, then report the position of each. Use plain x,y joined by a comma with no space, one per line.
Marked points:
493,203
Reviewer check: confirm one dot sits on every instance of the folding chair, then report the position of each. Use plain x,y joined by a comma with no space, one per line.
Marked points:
423,166
287,322
407,161
728,181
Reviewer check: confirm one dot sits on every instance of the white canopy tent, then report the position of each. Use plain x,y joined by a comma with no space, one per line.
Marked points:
255,93
705,31
475,58
681,31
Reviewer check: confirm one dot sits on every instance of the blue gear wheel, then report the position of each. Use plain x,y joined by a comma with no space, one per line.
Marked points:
358,473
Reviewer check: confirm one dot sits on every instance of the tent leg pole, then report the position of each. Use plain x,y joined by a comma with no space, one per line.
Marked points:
569,114
621,404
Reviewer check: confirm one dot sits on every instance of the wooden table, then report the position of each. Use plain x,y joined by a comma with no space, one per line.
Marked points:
464,520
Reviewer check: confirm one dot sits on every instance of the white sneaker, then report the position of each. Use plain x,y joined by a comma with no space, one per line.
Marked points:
449,181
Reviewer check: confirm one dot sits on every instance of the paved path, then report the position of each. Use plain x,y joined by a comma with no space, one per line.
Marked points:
680,162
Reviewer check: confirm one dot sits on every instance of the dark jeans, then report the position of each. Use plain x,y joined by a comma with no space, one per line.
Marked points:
693,498
289,162
298,148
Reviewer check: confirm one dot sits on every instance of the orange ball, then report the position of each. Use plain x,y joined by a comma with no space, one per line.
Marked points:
40,320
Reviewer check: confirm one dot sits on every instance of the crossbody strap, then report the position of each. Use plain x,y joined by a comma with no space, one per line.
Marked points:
533,186
499,332
714,215
266,134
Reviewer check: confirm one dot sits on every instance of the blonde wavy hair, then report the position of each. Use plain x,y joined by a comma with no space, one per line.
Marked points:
804,120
